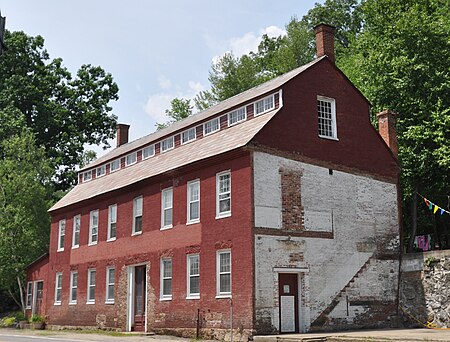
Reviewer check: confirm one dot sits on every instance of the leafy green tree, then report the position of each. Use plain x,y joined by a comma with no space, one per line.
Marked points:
180,109
63,112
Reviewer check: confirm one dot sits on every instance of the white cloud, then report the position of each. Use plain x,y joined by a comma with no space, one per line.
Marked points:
164,82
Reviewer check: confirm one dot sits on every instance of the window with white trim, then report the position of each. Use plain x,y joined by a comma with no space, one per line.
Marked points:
188,135
264,105
224,273
91,286
166,208
87,176
29,294
193,201
100,171
167,144
110,283
131,159
223,191
237,115
326,111
166,278
61,235
114,165
73,287
112,222
148,151
76,231
137,215
58,288
193,279
93,227
211,126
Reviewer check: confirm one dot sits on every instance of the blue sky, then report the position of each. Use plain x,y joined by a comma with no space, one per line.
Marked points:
155,50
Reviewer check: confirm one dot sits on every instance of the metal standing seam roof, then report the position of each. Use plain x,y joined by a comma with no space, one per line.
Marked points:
223,141
236,100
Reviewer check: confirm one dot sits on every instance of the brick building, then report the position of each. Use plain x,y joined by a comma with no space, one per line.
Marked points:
276,210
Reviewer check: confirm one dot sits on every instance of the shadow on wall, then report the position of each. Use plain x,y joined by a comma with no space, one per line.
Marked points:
425,289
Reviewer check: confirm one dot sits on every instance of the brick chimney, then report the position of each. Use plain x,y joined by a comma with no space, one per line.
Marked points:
387,128
122,134
325,41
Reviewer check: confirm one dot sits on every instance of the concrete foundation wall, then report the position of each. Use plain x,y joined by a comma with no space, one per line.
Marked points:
348,279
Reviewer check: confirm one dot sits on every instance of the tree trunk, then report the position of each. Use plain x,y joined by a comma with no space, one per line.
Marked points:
414,220
22,302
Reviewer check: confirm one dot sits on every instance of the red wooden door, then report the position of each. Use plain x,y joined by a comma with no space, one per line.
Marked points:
139,298
288,290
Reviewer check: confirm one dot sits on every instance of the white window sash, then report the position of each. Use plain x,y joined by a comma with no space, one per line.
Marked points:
137,212
131,159
188,136
73,287
212,128
58,288
61,235
167,144
149,154
190,201
237,113
166,277
223,195
219,273
92,227
92,274
110,284
112,219
166,207
29,295
332,120
190,259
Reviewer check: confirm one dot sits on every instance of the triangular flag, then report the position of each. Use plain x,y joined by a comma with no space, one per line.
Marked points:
442,211
430,206
435,209
426,202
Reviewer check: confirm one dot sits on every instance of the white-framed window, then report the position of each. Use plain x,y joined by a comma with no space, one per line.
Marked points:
166,208
29,294
137,215
193,201
131,159
93,227
224,273
166,278
73,287
87,176
326,111
211,126
76,231
58,288
110,283
188,135
193,276
112,222
114,165
264,105
92,273
100,171
61,235
223,191
237,115
148,151
167,144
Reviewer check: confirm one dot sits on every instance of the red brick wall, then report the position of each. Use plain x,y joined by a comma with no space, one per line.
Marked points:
208,236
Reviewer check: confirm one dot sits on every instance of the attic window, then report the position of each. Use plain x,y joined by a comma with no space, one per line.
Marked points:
87,176
148,152
326,111
211,126
131,159
264,105
236,116
114,165
100,171
188,135
167,144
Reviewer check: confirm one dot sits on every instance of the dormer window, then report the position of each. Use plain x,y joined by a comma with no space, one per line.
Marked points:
264,105
100,171
326,110
131,159
87,176
211,126
148,152
236,116
114,165
167,144
188,135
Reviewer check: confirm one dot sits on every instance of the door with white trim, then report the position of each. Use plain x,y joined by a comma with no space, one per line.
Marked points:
288,296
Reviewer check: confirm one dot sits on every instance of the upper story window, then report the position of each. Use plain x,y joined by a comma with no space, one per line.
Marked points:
93,227
73,287
148,151
137,215
114,165
166,208
87,176
211,126
76,231
264,105
224,273
193,281
58,288
188,135
166,278
193,201
110,282
29,294
223,193
237,115
326,111
61,235
91,286
131,159
112,222
167,144
100,171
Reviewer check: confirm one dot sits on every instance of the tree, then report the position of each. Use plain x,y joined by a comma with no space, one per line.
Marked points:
63,112
180,109
25,186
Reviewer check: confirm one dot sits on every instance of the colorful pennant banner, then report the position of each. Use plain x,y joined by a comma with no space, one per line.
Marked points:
433,207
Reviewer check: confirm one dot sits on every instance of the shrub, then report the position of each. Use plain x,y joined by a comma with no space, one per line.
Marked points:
7,321
37,319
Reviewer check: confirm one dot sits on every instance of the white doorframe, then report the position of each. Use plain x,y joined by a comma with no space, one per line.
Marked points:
130,294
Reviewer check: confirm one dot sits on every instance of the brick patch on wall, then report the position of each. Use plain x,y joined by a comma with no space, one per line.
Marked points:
292,209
